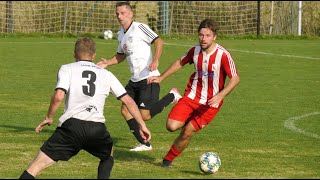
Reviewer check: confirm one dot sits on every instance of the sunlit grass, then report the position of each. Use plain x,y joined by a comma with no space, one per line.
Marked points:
248,133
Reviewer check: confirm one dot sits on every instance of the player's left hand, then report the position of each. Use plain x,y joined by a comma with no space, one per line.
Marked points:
46,121
215,101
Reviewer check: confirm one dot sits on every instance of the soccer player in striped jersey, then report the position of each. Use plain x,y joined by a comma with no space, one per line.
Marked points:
82,125
134,44
205,90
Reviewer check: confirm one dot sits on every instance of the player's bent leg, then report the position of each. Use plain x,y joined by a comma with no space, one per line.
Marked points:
173,125
180,143
183,140
125,112
135,129
145,113
41,162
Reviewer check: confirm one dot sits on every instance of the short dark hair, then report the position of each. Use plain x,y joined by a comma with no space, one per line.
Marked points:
85,45
124,3
210,24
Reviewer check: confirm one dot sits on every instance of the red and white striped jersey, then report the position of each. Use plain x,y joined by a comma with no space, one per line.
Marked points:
210,72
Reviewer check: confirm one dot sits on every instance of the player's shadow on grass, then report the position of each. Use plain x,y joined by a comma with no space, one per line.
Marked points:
127,155
13,128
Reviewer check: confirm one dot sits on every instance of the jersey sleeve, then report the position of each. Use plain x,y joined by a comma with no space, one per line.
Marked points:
148,35
120,35
117,88
188,57
119,49
228,65
64,78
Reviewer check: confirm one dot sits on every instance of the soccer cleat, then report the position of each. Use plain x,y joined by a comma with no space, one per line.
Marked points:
142,147
166,163
176,94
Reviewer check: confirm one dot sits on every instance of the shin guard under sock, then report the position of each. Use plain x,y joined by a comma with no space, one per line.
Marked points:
134,128
173,153
26,175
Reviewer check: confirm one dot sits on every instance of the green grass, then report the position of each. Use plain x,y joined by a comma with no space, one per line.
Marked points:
248,133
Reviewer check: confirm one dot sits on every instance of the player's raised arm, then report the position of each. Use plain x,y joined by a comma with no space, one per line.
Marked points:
175,66
116,59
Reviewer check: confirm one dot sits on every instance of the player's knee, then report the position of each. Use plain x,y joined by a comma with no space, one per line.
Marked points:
146,117
171,127
145,114
124,111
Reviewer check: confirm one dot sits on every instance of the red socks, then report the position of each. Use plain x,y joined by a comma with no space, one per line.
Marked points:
173,153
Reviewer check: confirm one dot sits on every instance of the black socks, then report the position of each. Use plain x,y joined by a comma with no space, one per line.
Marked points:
160,105
134,128
26,175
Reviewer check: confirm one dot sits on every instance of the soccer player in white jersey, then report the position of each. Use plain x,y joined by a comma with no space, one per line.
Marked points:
134,44
205,90
82,125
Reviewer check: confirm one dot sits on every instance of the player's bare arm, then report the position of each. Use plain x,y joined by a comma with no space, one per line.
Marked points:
215,100
56,100
175,66
134,111
158,44
116,59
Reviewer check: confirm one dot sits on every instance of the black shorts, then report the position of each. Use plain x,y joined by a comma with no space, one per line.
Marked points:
75,135
144,94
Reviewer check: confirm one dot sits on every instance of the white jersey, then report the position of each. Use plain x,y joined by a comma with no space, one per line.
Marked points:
87,86
135,43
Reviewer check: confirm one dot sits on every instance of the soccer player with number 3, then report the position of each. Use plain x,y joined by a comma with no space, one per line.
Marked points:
82,125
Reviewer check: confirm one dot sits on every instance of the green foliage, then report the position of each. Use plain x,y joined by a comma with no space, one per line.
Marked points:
235,37
163,36
182,17
279,79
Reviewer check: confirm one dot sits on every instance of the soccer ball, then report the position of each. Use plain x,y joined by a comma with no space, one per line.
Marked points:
209,163
107,34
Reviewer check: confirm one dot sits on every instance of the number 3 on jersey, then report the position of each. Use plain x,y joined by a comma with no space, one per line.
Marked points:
90,88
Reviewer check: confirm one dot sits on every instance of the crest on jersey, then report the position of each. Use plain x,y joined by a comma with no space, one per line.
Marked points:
130,39
214,67
125,47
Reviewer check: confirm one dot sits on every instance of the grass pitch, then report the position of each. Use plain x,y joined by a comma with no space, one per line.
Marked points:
268,126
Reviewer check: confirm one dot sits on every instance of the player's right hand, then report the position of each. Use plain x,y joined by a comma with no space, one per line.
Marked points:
153,79
103,63
46,121
145,134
